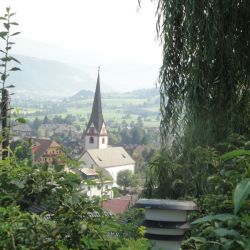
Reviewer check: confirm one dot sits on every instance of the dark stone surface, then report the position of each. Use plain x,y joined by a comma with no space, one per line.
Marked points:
166,224
164,237
166,204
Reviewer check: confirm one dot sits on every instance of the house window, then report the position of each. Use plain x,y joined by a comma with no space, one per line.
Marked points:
103,140
106,187
91,139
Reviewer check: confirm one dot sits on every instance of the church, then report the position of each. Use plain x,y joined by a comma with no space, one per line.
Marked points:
97,152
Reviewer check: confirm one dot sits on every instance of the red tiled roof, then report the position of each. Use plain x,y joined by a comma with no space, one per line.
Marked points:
116,206
41,145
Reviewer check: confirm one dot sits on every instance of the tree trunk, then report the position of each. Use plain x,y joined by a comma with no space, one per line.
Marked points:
5,122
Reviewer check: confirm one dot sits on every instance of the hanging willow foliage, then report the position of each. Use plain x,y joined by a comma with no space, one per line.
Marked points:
205,75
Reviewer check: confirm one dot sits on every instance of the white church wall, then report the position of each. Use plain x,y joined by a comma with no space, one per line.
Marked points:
93,145
115,170
103,144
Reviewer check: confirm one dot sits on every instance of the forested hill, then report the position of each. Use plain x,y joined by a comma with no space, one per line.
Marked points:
139,93
50,77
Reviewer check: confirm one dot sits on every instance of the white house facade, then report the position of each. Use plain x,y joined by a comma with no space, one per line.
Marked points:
95,185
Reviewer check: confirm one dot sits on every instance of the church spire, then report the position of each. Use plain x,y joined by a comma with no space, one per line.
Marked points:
96,117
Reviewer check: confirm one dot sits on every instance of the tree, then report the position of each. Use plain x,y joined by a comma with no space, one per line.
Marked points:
205,97
21,150
35,126
132,124
204,78
126,136
114,138
125,179
58,119
139,122
69,119
145,140
124,124
137,135
6,59
46,120
43,207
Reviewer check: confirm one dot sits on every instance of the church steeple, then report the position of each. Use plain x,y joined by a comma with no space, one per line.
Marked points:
96,116
96,133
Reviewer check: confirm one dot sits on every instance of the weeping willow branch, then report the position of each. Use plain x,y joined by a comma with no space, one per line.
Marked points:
205,74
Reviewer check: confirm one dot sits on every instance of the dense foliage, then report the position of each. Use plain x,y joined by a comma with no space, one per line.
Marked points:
42,207
205,105
126,178
205,72
5,70
203,170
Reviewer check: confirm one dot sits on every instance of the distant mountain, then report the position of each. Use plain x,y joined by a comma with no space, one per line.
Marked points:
48,77
82,94
117,76
145,93
139,93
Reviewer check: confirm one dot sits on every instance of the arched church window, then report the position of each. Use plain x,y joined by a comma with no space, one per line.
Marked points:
103,140
91,139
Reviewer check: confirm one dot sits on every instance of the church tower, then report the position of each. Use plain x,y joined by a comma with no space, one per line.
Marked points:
96,136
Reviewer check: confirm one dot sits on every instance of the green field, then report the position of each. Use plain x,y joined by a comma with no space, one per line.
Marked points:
116,108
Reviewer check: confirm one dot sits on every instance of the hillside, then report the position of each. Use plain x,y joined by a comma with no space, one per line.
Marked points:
48,77
138,93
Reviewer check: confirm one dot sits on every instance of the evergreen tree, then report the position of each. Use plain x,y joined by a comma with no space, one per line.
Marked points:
35,126
46,120
137,134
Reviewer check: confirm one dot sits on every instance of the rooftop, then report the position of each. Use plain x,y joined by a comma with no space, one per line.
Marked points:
116,206
39,146
110,157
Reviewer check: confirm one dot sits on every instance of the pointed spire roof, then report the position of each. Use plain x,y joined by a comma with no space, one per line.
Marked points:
96,116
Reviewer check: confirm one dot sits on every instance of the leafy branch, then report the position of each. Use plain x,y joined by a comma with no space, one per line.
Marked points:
6,59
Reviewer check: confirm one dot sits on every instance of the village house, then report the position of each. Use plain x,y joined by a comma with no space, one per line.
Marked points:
96,183
48,130
21,130
45,150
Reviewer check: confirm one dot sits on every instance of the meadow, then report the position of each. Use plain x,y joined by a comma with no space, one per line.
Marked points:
117,109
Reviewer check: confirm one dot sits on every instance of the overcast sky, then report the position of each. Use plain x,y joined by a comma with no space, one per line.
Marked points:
113,29
102,32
